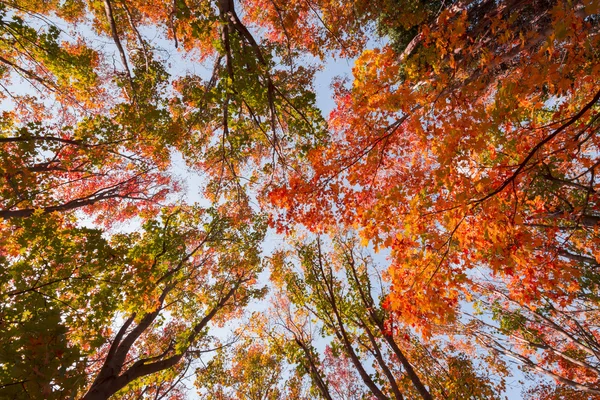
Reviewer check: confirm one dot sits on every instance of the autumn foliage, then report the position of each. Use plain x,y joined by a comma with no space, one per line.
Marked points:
439,230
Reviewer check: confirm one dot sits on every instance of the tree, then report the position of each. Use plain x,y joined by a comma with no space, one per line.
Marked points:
343,293
162,288
555,340
472,148
550,392
249,370
57,294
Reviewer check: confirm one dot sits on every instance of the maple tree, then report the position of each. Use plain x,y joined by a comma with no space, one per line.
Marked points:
555,341
342,293
468,148
250,370
157,290
77,154
465,147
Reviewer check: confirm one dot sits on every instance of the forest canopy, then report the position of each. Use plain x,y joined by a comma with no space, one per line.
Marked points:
437,233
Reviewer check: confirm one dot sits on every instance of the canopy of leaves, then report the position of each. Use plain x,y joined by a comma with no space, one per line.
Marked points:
464,149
